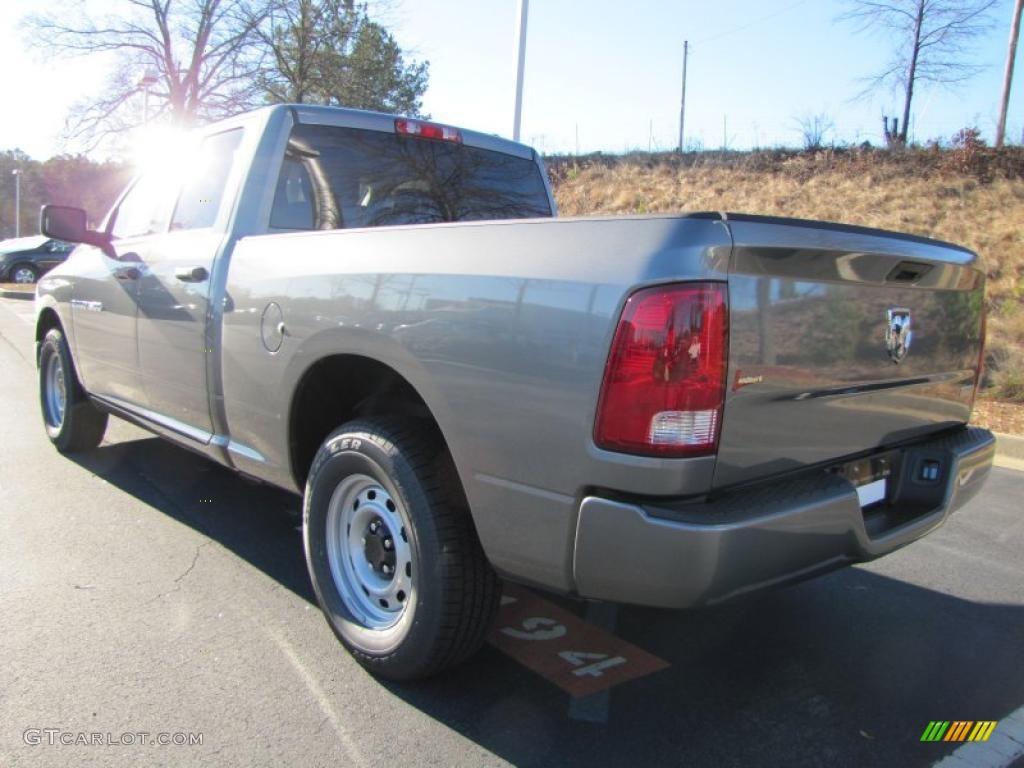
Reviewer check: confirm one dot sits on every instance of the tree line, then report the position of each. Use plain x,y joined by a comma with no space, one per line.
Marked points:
65,179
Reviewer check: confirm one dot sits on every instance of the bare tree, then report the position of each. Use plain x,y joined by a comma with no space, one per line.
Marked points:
814,129
932,40
201,55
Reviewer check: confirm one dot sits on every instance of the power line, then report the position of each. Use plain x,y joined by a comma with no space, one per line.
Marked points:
753,23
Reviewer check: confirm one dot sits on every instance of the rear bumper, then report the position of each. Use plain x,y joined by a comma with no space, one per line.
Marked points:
681,555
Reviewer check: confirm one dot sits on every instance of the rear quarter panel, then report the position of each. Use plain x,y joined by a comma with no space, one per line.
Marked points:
503,328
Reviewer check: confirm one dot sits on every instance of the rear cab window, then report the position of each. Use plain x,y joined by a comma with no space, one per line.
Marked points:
335,177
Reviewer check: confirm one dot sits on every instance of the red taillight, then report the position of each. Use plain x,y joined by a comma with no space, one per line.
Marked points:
664,383
424,130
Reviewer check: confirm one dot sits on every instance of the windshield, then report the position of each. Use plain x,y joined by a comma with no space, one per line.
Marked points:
346,177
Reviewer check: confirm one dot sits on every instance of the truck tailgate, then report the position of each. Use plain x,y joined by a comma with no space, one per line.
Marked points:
843,340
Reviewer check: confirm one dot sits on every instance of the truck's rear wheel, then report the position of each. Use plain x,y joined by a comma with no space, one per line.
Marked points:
392,553
72,422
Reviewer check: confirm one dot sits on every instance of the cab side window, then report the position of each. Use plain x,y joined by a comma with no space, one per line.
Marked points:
145,210
202,194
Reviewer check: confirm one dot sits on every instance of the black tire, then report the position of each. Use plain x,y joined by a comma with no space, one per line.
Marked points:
26,268
81,425
454,593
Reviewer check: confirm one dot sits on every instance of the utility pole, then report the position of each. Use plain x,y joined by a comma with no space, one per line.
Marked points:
1011,57
17,202
524,9
682,100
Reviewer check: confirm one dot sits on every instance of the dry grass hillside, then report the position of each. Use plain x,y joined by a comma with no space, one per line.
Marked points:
971,195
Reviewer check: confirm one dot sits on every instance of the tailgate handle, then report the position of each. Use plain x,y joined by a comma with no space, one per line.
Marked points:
908,272
191,274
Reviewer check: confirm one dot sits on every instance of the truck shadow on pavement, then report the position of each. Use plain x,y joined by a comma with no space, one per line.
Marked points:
844,670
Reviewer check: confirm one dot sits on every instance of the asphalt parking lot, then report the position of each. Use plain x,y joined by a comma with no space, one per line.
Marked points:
145,590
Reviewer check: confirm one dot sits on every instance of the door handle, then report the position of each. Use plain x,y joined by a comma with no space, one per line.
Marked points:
127,273
191,274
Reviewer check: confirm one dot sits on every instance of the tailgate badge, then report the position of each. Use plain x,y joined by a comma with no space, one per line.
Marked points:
898,334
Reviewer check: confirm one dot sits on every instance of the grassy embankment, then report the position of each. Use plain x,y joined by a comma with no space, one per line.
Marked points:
972,196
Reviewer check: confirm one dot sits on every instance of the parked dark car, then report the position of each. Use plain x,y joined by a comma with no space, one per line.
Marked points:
24,259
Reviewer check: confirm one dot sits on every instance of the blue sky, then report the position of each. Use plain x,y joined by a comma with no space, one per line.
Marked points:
611,69
614,68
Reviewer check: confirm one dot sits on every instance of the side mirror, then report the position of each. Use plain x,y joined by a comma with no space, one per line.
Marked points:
63,222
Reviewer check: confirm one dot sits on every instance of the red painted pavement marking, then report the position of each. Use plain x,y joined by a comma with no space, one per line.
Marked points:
578,657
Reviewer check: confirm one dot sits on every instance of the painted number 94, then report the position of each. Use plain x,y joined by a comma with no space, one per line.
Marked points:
542,628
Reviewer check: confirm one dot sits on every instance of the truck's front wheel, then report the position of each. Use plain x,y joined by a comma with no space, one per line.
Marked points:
72,422
392,553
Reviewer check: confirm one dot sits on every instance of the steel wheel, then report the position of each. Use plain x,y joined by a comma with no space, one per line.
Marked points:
23,275
55,392
72,422
392,554
368,551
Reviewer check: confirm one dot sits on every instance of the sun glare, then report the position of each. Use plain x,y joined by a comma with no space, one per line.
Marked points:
164,150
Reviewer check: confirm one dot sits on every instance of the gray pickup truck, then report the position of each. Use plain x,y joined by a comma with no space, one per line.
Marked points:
383,315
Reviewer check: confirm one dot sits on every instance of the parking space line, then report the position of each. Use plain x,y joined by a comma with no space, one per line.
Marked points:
323,700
